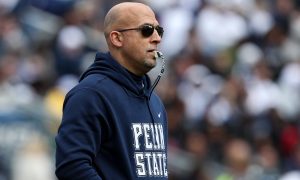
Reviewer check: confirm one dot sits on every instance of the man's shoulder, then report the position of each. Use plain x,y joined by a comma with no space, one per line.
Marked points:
92,80
95,82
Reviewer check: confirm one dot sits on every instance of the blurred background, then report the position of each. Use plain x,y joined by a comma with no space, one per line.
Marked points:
231,86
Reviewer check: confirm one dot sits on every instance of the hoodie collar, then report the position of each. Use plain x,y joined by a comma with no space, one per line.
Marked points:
106,65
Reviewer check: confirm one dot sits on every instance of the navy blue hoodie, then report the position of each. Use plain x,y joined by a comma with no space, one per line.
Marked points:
112,127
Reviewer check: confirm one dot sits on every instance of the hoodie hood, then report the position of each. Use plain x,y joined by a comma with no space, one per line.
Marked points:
106,65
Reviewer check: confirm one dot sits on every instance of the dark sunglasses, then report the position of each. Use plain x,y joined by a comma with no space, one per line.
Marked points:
146,30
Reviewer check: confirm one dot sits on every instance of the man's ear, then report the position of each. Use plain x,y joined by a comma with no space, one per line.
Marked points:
116,38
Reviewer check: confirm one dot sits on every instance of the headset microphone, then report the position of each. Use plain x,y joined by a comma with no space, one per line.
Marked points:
158,55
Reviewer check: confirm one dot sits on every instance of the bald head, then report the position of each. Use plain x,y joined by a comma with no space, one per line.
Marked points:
124,14
124,36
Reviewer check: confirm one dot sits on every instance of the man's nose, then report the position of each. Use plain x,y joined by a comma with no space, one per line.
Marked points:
156,37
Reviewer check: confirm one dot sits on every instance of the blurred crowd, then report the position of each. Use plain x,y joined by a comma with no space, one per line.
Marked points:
231,86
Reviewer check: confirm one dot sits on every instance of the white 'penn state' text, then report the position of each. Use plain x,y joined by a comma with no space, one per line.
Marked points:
152,162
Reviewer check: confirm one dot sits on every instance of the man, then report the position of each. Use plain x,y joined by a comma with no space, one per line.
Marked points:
113,125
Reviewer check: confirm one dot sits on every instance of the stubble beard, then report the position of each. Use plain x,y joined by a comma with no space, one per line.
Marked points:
150,63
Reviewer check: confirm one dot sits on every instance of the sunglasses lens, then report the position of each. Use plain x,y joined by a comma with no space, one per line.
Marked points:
160,31
147,30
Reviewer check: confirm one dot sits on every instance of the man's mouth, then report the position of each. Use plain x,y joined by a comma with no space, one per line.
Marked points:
151,50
